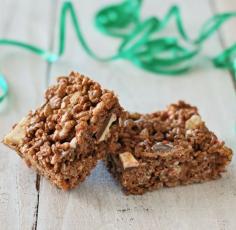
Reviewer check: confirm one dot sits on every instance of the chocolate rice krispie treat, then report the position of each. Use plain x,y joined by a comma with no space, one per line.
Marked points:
168,148
65,137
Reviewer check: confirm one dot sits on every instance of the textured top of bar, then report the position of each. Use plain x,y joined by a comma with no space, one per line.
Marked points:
177,130
72,121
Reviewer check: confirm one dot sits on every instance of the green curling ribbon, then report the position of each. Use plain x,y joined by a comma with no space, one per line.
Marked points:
227,60
160,55
140,42
3,88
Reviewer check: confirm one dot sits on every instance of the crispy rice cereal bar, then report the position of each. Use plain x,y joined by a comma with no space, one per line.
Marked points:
65,137
168,148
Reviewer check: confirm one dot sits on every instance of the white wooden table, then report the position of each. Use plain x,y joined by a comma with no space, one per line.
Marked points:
98,203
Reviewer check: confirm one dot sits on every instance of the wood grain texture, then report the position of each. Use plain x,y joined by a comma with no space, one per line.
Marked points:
98,203
25,73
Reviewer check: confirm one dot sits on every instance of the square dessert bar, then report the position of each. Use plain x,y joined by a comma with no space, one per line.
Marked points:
65,137
168,148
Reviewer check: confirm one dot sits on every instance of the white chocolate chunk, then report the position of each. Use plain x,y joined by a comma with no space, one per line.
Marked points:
128,160
73,143
106,130
188,133
193,122
15,137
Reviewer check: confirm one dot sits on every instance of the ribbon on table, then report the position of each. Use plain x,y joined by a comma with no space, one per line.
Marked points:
165,55
140,43
227,60
3,88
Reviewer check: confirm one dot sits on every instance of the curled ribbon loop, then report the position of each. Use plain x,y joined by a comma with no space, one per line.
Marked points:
140,42
114,20
146,52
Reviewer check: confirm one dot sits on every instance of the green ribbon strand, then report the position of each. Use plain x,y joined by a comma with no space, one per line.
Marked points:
227,60
112,21
3,88
34,49
140,42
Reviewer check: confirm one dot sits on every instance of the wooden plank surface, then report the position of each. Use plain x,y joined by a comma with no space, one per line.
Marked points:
227,33
98,203
26,76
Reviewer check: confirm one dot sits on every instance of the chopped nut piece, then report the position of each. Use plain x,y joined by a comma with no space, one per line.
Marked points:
105,132
193,122
47,110
55,102
74,98
188,133
64,132
66,116
144,133
160,147
73,143
15,137
128,160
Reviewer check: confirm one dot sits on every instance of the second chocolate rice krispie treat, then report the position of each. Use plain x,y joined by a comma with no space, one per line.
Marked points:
65,137
168,148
